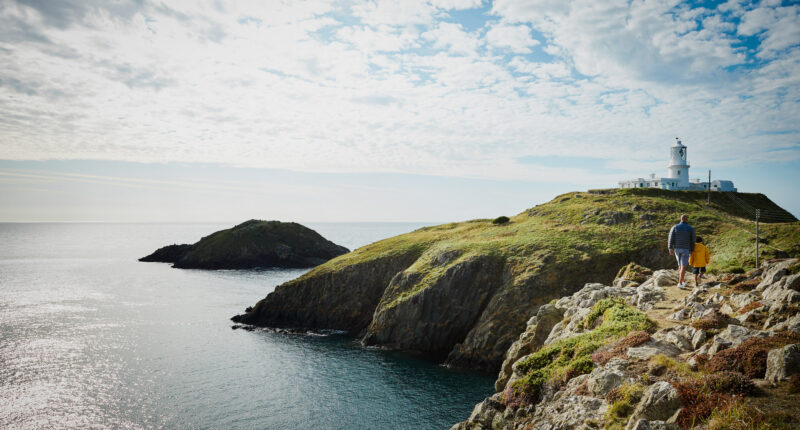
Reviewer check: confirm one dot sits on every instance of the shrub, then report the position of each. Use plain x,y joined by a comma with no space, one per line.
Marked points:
618,349
750,357
634,272
623,401
743,287
794,383
698,403
500,220
714,320
729,383
747,308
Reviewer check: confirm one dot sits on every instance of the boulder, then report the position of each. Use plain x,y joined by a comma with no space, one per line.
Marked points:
783,363
603,380
651,348
699,338
774,272
659,402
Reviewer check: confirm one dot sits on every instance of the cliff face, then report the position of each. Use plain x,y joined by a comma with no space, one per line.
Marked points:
252,244
462,293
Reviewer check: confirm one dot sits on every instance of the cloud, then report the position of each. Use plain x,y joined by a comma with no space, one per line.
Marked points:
516,38
778,27
396,86
452,37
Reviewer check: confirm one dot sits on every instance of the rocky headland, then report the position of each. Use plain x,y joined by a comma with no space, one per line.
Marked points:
252,244
641,354
462,293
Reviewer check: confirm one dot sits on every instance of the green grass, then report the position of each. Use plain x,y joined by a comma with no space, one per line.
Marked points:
569,357
569,231
623,401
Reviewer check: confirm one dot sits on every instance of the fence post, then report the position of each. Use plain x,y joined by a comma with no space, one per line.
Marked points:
709,188
758,238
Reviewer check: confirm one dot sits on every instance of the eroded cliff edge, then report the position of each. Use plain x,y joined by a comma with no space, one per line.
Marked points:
462,292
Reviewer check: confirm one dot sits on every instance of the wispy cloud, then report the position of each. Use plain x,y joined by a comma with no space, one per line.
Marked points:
446,87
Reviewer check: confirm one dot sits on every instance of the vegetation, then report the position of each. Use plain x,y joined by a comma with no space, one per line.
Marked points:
501,220
623,400
596,230
750,358
618,349
712,321
736,415
566,358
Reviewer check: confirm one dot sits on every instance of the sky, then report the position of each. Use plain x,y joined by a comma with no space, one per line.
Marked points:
437,110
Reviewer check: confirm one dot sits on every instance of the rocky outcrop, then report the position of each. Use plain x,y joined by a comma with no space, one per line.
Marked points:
252,244
537,331
343,299
168,254
639,381
440,316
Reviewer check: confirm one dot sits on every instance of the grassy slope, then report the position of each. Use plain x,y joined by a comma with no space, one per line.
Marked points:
571,228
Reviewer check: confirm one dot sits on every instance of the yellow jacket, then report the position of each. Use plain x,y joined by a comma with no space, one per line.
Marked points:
699,257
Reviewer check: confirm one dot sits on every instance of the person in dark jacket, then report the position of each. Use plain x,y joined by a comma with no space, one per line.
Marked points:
681,242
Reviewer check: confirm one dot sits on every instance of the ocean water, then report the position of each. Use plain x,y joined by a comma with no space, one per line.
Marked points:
92,338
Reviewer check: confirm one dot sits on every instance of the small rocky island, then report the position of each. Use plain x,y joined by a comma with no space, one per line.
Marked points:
252,244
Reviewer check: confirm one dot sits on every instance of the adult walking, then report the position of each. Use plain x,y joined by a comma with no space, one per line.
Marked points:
681,242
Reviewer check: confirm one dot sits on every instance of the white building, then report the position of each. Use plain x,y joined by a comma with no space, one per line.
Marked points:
677,176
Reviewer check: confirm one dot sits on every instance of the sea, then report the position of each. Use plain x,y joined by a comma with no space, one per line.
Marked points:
92,338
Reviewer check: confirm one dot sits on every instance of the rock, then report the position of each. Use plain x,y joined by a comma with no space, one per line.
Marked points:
485,411
569,412
664,278
252,244
792,282
167,254
783,363
614,218
791,324
715,299
653,425
681,315
744,299
648,294
634,272
699,338
537,331
618,364
602,380
732,337
774,273
726,309
659,402
651,348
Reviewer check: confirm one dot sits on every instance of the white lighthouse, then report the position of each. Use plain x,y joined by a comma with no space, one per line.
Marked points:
678,175
678,168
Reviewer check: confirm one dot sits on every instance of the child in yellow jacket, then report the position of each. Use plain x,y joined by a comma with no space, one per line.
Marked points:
699,260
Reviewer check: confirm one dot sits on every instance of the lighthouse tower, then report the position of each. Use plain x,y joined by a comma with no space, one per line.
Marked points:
678,168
